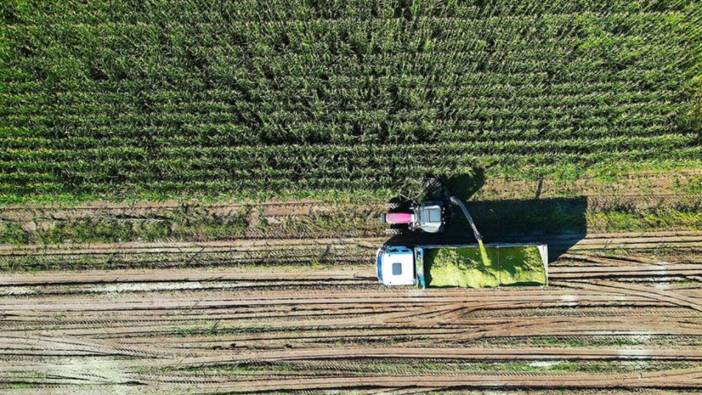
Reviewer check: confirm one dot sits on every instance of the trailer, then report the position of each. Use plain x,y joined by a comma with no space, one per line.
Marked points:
463,265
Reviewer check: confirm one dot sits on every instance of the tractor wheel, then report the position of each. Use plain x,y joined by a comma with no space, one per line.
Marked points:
433,187
392,205
393,232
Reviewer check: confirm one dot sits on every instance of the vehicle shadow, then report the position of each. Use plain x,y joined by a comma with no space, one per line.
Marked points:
558,222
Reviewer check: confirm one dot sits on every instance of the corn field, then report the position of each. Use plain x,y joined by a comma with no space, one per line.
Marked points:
120,97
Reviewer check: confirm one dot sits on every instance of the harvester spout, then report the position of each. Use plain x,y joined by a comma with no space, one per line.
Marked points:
483,252
456,201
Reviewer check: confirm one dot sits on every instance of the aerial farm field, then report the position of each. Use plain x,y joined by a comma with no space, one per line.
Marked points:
190,193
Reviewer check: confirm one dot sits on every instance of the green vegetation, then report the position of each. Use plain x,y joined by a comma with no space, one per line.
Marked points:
496,220
188,222
123,99
465,267
591,341
662,219
290,257
180,223
111,230
373,366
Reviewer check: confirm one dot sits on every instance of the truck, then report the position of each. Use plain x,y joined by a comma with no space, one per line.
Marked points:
453,265
463,265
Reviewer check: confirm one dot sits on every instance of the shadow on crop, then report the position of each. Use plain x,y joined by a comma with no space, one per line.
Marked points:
462,186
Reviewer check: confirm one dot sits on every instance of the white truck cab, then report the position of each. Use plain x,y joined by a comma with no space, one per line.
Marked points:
395,265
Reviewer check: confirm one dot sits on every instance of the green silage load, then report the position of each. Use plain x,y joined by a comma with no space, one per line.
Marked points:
464,267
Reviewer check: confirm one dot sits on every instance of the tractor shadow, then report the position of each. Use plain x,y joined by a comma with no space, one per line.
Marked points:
558,222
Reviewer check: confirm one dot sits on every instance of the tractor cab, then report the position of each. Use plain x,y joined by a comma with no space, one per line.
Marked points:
430,217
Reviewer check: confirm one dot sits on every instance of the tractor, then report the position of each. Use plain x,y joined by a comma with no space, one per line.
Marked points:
429,215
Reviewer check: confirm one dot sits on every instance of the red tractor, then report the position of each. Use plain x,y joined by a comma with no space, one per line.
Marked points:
428,216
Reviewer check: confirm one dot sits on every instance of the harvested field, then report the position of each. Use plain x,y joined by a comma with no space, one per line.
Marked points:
283,251
551,215
259,311
607,321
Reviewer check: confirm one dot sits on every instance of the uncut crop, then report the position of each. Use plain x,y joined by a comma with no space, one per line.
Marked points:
122,97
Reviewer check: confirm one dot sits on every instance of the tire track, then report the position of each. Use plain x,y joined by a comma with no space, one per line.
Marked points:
635,240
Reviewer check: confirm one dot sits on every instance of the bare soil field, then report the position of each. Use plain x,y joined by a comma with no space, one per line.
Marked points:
611,319
173,297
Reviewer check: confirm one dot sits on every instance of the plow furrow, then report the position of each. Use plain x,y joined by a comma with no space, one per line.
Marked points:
464,328
682,379
634,240
163,360
596,296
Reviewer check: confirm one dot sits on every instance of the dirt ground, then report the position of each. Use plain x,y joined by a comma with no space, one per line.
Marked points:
606,321
262,311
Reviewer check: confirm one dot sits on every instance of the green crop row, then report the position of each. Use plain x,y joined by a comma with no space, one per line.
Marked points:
248,96
76,11
275,172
